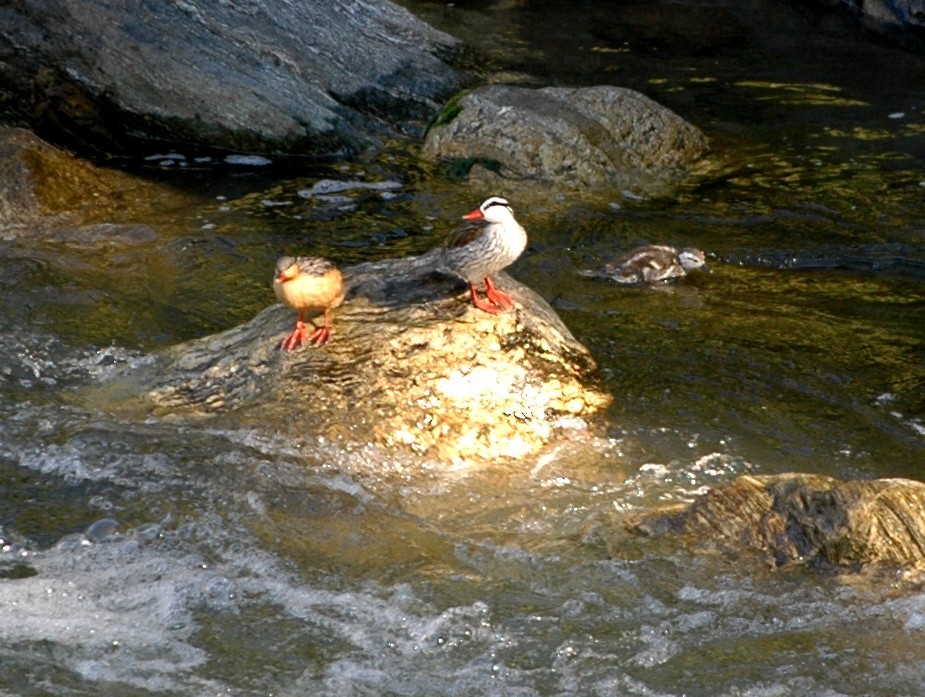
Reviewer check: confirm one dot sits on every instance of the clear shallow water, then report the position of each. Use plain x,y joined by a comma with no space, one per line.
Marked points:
248,563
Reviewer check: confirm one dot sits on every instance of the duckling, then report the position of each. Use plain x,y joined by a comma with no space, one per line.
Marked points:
651,264
306,284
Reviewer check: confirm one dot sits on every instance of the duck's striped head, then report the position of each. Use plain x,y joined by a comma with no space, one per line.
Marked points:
494,209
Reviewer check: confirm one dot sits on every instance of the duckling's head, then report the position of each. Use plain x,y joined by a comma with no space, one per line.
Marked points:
691,258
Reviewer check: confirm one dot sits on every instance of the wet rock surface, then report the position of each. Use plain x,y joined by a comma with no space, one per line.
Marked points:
39,182
576,138
410,364
316,78
805,518
45,192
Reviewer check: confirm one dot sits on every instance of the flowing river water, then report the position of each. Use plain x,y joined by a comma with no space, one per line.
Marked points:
162,555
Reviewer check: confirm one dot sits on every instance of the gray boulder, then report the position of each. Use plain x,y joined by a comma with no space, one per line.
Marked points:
411,366
805,518
316,77
574,138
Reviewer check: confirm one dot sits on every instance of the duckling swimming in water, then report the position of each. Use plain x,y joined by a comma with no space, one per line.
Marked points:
651,264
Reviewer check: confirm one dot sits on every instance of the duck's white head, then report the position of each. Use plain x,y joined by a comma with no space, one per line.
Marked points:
493,209
691,258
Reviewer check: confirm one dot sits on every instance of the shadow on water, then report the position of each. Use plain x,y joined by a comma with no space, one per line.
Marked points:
246,561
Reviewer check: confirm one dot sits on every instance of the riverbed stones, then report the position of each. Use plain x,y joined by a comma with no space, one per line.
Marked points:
572,138
317,77
411,366
807,519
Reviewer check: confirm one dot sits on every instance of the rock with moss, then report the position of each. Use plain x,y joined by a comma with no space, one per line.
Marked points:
602,138
807,519
411,366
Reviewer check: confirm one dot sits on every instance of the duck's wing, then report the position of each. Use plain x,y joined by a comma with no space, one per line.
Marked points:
314,266
464,234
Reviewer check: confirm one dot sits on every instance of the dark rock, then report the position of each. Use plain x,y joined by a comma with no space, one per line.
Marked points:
411,364
804,518
574,138
904,13
314,77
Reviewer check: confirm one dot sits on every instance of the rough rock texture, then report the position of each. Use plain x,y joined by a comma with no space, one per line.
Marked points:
809,518
20,151
312,77
410,364
572,137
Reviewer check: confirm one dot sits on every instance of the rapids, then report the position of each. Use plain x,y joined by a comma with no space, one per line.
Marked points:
144,554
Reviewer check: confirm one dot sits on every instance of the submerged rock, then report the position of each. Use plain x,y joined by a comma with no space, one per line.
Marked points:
805,518
43,187
47,193
38,181
410,364
310,77
572,137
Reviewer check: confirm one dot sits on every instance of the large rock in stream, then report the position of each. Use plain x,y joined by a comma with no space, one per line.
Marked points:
566,138
411,365
316,77
805,518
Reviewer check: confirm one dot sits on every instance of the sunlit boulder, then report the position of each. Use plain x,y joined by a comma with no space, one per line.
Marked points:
570,138
808,519
411,365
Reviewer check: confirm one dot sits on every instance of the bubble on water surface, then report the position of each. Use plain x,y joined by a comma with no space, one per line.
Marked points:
165,156
102,530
